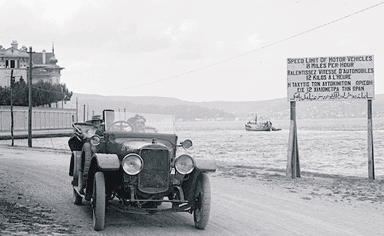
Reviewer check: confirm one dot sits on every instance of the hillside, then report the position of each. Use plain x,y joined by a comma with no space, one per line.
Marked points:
269,109
94,104
279,108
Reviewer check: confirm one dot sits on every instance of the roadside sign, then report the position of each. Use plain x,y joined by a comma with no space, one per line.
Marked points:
330,78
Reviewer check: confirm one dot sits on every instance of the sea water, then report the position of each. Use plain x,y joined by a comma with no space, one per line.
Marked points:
330,146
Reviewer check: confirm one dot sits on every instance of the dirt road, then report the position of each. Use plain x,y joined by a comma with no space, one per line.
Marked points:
36,198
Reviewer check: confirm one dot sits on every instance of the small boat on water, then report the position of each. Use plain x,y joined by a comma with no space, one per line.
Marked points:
259,126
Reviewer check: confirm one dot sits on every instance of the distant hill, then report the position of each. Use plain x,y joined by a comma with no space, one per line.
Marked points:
94,104
268,109
280,108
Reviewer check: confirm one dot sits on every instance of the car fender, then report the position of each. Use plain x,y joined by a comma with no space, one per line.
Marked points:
107,162
100,162
203,165
189,185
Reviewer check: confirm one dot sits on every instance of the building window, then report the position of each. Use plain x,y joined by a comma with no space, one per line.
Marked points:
10,64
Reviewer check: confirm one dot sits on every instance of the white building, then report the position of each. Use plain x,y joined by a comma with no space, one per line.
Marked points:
44,66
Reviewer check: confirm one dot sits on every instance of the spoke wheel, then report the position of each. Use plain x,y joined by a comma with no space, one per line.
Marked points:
120,126
98,201
202,201
77,199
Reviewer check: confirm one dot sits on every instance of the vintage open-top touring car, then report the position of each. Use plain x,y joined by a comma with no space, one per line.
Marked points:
132,163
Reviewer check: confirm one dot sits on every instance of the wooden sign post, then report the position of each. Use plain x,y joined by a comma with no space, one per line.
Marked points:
328,79
371,164
293,164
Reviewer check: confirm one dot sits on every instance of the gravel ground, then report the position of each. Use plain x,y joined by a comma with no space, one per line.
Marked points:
23,215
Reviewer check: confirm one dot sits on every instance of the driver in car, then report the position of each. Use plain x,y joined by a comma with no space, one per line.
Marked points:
138,123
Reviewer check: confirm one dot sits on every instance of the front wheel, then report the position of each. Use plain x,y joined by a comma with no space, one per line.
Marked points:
98,201
202,201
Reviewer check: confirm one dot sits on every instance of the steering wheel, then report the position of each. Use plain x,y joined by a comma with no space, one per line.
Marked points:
120,125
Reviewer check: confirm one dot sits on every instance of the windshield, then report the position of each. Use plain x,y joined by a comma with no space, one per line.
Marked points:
138,122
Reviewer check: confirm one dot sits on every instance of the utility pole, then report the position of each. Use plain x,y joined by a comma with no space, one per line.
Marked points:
30,99
11,85
84,113
77,110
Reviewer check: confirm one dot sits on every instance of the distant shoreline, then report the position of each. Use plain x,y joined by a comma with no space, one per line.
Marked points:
229,169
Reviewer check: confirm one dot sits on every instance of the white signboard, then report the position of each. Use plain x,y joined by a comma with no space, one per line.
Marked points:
330,78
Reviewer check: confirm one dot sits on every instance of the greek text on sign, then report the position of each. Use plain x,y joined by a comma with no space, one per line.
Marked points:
330,78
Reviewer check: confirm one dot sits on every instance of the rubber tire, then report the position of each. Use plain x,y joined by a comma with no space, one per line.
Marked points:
77,199
75,170
203,201
98,201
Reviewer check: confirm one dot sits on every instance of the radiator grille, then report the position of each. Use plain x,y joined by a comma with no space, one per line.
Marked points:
154,178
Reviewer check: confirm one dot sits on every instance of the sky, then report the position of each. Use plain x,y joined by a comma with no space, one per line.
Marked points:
199,51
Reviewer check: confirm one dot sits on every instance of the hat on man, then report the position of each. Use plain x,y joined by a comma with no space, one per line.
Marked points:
136,118
96,117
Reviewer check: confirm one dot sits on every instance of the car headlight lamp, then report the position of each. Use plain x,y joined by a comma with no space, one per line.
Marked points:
132,164
184,164
95,140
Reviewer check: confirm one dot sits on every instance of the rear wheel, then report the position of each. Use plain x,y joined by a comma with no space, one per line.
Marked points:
202,201
75,169
98,201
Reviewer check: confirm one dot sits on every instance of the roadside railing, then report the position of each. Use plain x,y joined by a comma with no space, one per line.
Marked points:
42,118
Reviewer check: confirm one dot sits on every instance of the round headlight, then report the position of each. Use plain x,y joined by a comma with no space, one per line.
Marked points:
95,140
184,164
132,164
186,143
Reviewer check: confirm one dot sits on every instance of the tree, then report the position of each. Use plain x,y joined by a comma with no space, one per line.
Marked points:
20,93
43,93
5,94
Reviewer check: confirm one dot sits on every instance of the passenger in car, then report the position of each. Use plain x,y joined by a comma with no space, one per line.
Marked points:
138,123
97,121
